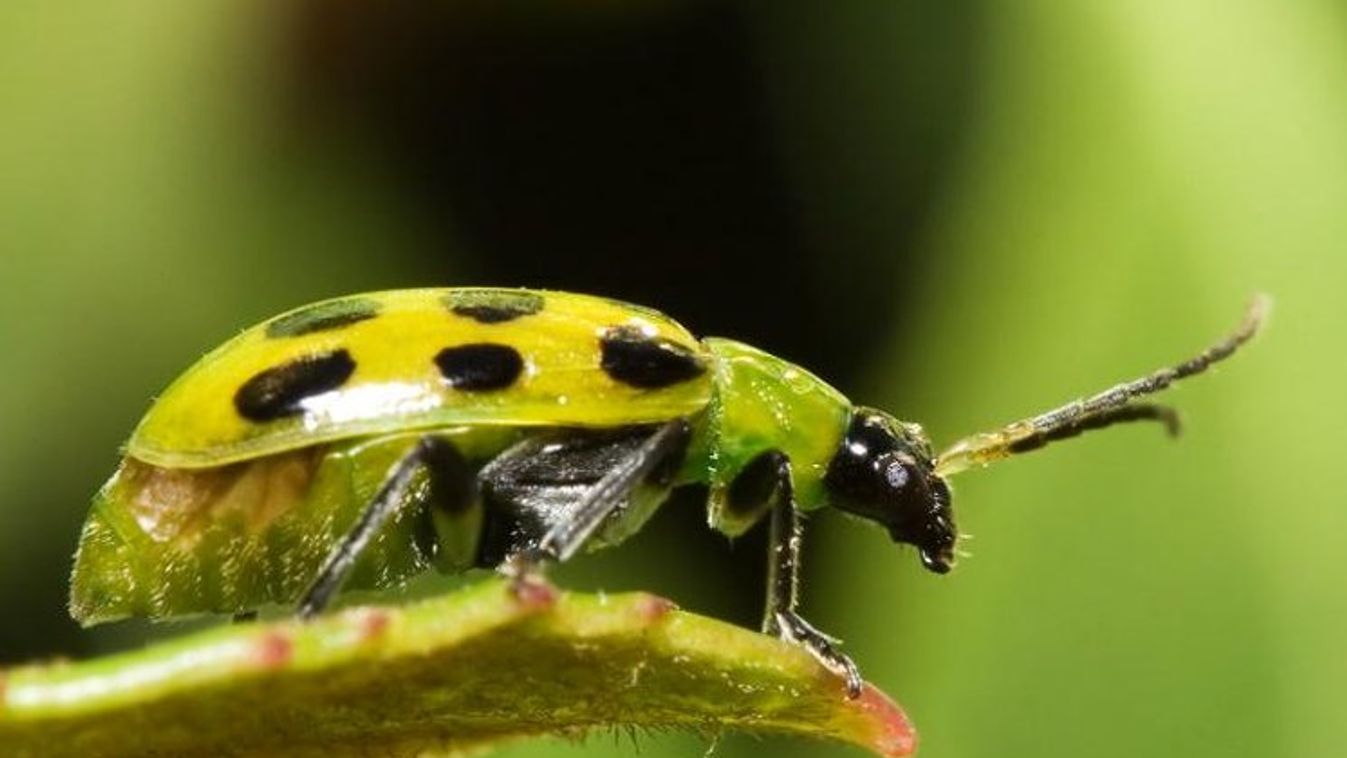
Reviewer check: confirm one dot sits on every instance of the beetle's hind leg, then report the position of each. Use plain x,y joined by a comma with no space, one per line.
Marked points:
451,477
767,479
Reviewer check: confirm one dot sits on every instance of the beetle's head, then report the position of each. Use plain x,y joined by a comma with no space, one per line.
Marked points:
884,471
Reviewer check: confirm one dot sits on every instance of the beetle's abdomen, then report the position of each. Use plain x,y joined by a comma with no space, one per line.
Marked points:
169,542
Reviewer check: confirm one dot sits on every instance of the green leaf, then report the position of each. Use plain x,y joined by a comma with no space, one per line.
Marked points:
458,672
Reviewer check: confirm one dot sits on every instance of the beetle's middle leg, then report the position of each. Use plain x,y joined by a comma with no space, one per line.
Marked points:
767,479
451,477
555,493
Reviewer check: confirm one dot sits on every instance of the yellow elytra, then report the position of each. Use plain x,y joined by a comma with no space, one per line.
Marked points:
389,339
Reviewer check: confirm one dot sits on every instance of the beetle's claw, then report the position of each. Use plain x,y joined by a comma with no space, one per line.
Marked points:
525,572
791,627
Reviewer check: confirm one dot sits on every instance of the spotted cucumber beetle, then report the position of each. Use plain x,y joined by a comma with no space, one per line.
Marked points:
359,441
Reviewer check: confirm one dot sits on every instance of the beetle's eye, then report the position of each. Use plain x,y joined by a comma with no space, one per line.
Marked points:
896,473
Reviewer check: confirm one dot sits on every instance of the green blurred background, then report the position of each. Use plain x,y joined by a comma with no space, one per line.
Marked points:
960,212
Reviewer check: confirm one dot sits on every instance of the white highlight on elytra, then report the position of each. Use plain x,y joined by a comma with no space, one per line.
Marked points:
367,401
648,329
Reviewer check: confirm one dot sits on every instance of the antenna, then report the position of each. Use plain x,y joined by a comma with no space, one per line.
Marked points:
1112,406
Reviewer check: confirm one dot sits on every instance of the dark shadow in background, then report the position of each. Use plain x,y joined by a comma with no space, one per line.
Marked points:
630,151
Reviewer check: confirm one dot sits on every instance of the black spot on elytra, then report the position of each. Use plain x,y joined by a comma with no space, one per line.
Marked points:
632,357
323,317
280,391
493,306
480,366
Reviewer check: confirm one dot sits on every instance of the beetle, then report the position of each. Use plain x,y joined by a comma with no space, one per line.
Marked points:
361,440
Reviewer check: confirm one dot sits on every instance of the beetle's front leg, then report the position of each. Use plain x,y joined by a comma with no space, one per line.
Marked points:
783,570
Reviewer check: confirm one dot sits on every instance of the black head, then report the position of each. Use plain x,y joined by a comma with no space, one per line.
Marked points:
884,472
